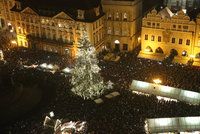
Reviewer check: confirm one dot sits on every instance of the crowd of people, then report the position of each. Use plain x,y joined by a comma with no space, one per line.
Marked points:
123,114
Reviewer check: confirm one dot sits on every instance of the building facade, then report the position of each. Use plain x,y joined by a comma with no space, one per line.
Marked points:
55,26
164,32
122,24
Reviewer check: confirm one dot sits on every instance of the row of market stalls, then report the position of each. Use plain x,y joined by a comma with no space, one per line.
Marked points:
179,125
176,125
166,91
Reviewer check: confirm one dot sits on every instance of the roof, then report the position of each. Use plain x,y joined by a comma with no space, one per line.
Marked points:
166,91
51,8
178,124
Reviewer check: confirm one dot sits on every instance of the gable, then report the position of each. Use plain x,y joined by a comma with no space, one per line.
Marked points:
28,10
62,15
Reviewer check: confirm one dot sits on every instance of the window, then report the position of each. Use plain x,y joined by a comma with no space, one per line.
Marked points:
149,23
179,26
125,47
173,40
188,42
153,24
109,30
125,17
117,16
159,38
180,41
152,38
146,37
185,27
174,26
109,16
158,24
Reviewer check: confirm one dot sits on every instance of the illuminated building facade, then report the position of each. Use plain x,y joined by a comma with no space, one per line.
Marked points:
164,32
55,26
122,23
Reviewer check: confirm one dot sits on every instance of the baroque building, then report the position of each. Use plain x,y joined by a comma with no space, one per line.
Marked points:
55,26
122,24
164,32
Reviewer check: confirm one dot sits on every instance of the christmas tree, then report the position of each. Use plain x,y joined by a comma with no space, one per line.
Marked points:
86,79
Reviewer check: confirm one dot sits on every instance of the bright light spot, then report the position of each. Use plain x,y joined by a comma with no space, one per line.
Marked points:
192,56
166,89
147,50
13,41
51,114
67,70
184,10
191,94
165,98
117,42
139,38
59,25
193,120
142,84
11,30
50,66
44,65
9,24
163,121
157,81
19,27
1,55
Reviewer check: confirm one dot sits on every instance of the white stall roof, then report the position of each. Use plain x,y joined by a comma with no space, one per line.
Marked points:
166,91
173,125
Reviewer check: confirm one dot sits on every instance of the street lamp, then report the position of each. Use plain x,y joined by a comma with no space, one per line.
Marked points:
157,81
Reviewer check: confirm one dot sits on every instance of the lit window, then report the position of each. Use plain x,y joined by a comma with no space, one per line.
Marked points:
180,41
117,16
125,16
146,37
188,42
152,38
173,40
109,16
125,47
109,30
159,38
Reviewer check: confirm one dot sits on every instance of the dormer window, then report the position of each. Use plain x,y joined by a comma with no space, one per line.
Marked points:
80,14
97,12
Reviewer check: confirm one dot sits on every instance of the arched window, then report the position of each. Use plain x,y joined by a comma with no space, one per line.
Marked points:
159,50
148,49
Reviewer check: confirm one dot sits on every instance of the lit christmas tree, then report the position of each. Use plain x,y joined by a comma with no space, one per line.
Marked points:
86,79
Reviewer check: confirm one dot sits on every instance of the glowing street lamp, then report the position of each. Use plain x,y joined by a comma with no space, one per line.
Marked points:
157,81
